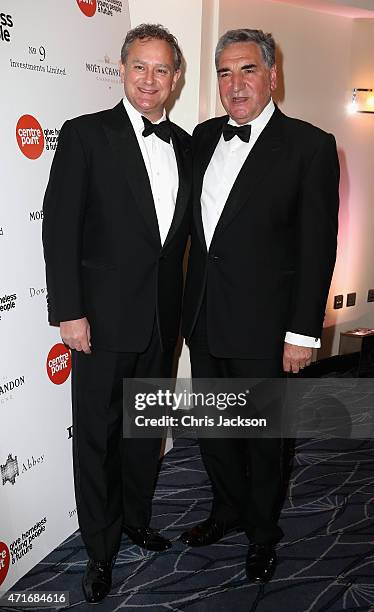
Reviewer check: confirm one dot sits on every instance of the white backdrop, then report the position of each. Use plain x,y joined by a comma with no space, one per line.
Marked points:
57,60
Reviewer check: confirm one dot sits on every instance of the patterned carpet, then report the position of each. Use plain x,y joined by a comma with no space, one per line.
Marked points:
326,559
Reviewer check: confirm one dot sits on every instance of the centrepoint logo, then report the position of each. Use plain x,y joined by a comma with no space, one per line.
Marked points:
4,561
30,137
88,7
59,363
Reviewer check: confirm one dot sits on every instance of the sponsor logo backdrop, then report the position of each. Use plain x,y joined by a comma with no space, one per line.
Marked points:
58,60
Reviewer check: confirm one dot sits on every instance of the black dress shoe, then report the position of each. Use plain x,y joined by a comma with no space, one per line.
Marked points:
147,538
261,562
97,580
208,532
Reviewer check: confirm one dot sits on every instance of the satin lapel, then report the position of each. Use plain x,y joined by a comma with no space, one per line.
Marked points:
260,161
183,157
203,148
123,140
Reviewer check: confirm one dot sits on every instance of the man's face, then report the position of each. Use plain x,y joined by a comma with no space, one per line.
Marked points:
148,76
245,81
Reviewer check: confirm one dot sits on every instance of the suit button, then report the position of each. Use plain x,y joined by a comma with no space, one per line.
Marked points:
214,258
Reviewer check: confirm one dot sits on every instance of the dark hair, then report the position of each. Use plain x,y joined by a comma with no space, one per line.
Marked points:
151,30
264,41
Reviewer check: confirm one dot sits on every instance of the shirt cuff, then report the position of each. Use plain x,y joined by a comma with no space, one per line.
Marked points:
301,340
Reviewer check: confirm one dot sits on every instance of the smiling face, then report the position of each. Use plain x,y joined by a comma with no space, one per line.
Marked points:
149,76
245,81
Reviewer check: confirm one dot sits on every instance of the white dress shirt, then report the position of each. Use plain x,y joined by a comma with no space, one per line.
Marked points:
161,164
220,176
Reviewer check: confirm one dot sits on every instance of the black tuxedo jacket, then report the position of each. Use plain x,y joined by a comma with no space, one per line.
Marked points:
103,253
269,265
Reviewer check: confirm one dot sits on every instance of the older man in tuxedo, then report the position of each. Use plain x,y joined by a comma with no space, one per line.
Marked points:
116,222
262,255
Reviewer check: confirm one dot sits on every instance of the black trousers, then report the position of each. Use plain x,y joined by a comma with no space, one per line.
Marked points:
114,477
246,474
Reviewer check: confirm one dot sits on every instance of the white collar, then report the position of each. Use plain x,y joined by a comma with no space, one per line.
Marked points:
136,117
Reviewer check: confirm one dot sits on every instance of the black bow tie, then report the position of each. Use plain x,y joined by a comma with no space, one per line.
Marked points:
162,130
243,131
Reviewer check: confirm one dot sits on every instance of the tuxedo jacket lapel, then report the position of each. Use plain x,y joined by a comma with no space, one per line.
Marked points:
123,140
182,152
202,156
260,161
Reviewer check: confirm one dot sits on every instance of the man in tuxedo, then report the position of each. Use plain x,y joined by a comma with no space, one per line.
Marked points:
115,227
262,254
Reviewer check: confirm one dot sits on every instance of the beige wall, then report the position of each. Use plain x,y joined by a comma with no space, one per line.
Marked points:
321,57
208,81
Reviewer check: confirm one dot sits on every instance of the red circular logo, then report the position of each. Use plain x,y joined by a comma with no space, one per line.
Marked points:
4,561
88,7
59,363
30,136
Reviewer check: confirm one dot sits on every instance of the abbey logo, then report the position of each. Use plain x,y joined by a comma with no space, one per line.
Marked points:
12,468
9,471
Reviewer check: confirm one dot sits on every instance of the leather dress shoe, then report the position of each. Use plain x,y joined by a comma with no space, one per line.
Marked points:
97,580
147,538
261,562
208,532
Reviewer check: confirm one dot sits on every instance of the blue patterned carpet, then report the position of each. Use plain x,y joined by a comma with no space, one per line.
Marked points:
326,559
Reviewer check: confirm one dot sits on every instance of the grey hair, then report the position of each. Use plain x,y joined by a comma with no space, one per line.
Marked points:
264,41
152,30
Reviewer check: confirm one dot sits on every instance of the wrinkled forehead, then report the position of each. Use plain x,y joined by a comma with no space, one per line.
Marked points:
151,50
241,53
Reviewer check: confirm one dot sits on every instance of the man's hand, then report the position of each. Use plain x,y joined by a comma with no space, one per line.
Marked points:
76,334
296,358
